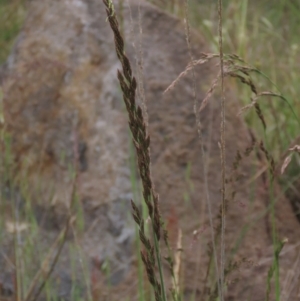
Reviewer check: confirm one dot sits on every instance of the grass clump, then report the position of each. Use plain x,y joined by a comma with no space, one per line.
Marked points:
230,66
265,34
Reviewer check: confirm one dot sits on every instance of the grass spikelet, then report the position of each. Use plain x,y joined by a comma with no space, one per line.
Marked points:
209,92
260,115
269,159
205,57
250,149
245,79
254,100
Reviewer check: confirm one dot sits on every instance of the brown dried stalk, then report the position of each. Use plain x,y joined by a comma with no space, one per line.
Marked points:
205,57
174,264
223,163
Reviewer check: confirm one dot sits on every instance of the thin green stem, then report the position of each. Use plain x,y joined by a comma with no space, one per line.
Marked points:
158,258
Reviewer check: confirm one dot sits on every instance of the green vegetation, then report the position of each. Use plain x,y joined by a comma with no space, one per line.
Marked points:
266,35
12,14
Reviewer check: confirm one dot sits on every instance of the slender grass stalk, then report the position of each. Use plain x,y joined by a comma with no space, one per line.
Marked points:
17,256
274,267
136,195
242,28
223,146
276,245
203,155
83,262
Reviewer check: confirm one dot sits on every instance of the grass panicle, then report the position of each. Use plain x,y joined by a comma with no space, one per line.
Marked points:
269,158
141,141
